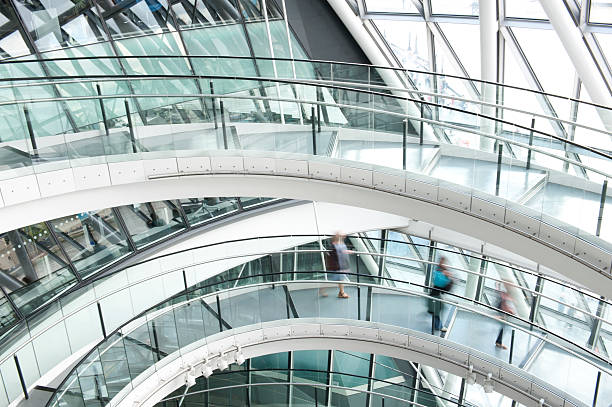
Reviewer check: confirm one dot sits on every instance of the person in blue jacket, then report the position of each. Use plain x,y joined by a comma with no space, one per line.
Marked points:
442,282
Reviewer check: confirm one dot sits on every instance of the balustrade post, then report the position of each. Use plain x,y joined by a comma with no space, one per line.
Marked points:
102,109
130,126
214,109
26,113
24,388
223,125
421,125
314,136
405,135
530,143
602,203
499,164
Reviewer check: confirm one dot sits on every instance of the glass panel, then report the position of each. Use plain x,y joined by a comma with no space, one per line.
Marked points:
11,41
258,35
357,364
91,239
530,9
206,13
201,209
269,369
551,64
233,397
248,202
151,221
455,7
7,315
124,19
391,6
61,23
408,40
252,10
310,366
601,12
465,40
34,267
114,365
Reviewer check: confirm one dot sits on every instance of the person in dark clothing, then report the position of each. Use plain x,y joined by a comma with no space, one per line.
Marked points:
337,264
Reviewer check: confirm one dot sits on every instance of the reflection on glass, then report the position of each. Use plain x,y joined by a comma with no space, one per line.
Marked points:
252,10
29,253
11,41
32,267
7,315
408,39
201,209
355,364
91,239
61,23
130,18
151,221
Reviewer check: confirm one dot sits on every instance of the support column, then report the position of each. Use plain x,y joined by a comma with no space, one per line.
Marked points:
583,62
488,68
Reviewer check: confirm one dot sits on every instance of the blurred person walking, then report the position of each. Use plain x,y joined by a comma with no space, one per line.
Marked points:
442,282
337,264
505,304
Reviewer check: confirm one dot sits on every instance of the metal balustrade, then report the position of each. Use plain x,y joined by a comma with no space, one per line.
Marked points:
251,303
347,122
120,288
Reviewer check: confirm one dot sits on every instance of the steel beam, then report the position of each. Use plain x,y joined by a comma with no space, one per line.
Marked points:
572,39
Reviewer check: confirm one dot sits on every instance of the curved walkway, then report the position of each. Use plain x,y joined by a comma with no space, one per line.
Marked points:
202,327
346,335
306,177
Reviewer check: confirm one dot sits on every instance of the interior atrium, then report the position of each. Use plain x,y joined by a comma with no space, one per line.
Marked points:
352,203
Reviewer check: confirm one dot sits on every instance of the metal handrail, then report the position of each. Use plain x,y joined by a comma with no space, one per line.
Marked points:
266,253
60,80
321,103
96,278
172,305
318,61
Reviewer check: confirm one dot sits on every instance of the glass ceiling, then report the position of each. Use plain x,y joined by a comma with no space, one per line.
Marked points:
529,41
444,36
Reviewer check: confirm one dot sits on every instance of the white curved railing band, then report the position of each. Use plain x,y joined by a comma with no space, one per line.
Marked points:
320,334
58,193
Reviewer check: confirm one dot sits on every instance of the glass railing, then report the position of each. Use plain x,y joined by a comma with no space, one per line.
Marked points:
40,262
527,170
567,317
197,314
448,90
302,378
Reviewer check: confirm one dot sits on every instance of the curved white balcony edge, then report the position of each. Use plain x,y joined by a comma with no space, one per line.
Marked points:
38,197
165,376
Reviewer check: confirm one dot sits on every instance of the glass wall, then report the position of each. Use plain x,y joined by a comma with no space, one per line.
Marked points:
41,261
91,240
369,380
150,221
